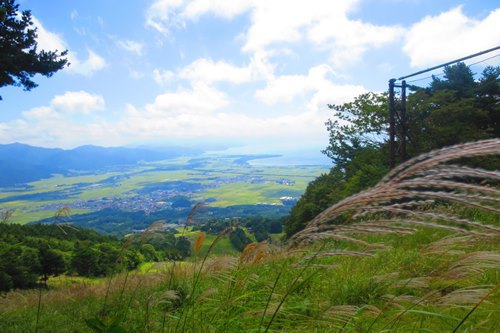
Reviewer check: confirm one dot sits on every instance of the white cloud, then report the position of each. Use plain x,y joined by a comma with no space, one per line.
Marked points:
347,40
71,102
162,15
131,46
41,113
88,67
78,102
224,8
202,112
285,88
221,125
450,35
67,121
163,77
274,23
50,41
201,99
325,24
208,71
47,40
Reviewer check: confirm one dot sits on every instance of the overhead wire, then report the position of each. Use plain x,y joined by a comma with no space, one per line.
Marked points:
442,73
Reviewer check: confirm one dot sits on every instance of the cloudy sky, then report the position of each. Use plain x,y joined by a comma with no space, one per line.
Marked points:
239,72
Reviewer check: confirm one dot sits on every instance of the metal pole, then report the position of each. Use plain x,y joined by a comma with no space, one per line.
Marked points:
403,124
450,62
392,125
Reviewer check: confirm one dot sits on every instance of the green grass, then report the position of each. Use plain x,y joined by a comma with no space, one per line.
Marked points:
239,194
334,294
222,247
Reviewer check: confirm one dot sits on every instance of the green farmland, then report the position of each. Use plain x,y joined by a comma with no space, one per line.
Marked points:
221,181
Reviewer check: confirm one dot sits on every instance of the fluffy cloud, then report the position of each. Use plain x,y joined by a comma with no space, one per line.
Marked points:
450,35
162,15
285,88
324,23
208,71
224,8
78,102
69,120
163,77
50,41
199,100
89,66
131,46
71,102
41,113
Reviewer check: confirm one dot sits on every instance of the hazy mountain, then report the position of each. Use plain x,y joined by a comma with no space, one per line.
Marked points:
20,163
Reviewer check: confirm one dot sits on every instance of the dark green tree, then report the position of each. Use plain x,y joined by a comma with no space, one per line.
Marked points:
85,261
454,110
239,239
183,247
149,252
52,263
19,58
356,125
20,266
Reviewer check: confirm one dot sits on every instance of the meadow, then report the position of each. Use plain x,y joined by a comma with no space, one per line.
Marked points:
429,281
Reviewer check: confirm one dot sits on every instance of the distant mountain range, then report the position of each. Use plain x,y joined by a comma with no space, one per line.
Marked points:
20,163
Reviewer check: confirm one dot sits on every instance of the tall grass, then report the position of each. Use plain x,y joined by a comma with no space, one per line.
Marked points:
415,194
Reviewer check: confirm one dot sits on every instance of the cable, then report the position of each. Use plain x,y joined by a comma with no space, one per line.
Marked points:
427,77
475,63
442,73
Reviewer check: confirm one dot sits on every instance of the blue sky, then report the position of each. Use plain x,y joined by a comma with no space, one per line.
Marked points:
252,74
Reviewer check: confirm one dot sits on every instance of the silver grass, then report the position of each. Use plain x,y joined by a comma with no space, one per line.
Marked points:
412,194
464,296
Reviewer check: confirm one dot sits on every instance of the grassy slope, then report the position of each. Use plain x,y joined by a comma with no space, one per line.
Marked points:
401,289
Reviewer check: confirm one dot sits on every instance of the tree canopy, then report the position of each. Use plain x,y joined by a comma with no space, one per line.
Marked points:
19,59
454,109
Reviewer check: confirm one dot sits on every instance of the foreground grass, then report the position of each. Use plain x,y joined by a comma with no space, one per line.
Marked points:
418,283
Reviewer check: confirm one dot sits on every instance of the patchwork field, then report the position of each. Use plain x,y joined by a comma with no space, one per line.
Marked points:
221,181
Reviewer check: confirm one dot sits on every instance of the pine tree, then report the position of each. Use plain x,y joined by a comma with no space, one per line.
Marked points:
19,58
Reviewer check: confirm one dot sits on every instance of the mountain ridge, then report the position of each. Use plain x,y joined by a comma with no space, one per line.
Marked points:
21,163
